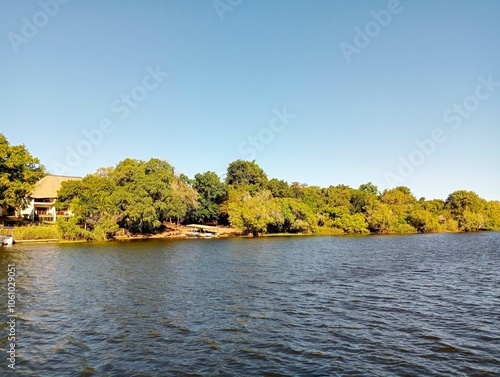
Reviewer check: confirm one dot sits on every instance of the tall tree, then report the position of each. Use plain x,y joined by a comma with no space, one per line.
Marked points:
253,213
91,202
144,194
246,173
19,172
468,209
212,193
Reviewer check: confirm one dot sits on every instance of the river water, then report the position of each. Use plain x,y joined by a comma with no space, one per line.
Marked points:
417,305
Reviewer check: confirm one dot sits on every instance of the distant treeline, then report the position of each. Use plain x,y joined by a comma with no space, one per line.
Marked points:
139,196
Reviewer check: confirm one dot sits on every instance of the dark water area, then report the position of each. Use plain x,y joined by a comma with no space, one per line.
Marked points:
417,305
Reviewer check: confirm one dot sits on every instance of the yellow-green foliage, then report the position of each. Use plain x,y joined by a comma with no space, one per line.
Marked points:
327,231
36,232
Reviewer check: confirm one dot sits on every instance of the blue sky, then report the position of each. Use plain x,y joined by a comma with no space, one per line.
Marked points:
322,92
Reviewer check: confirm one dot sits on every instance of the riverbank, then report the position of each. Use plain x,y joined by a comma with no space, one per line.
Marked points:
49,233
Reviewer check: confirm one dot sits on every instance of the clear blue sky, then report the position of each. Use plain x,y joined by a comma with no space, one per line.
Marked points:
356,115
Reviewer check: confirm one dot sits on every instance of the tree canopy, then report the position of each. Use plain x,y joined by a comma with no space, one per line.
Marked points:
19,172
144,196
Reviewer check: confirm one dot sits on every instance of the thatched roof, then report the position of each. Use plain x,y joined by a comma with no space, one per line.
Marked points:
48,186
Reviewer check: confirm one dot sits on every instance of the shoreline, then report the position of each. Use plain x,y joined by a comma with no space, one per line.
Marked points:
224,236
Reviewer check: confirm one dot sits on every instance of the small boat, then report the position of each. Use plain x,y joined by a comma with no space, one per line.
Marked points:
201,231
6,239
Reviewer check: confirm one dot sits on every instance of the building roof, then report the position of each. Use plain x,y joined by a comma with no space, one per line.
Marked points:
48,186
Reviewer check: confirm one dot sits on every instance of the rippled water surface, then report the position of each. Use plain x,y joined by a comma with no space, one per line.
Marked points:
417,305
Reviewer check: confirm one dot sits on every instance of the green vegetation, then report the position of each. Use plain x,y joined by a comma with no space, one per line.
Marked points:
36,232
137,196
19,172
140,197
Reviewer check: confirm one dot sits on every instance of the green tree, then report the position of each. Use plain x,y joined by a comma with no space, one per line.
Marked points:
424,221
144,194
467,208
253,213
279,188
341,218
361,200
212,194
247,174
19,172
493,215
184,199
369,188
296,216
90,201
338,196
381,218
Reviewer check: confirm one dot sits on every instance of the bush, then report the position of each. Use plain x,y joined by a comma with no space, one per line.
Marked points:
36,232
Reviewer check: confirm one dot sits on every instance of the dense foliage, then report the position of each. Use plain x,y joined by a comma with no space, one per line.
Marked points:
19,172
137,196
140,196
144,196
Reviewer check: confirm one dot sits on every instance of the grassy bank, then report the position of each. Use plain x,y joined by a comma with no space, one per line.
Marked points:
36,232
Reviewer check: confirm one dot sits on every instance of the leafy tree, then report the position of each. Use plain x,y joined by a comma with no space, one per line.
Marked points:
144,194
361,200
253,214
279,188
296,216
312,196
297,190
493,215
424,221
369,188
246,173
467,208
338,196
90,201
381,219
212,194
341,218
19,172
435,206
183,200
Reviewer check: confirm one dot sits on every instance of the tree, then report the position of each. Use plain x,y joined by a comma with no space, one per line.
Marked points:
361,200
90,201
493,215
212,194
369,188
423,221
144,194
467,208
381,219
279,188
19,172
184,199
246,173
341,218
253,214
296,216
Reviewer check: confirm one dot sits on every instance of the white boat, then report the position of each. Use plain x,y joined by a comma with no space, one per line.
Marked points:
6,238
201,231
